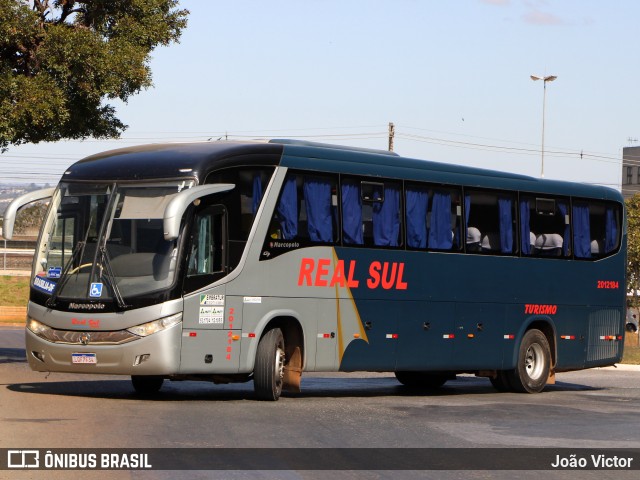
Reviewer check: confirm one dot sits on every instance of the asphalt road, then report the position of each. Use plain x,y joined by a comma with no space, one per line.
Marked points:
598,409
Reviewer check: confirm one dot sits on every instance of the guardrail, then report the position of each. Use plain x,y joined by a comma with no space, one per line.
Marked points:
17,255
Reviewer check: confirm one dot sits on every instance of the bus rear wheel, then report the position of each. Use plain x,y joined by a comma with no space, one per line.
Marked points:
146,384
268,373
533,365
422,380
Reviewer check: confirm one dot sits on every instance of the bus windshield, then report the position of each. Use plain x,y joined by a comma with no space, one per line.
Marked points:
105,242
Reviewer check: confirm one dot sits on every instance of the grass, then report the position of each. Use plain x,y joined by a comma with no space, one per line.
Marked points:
14,291
631,355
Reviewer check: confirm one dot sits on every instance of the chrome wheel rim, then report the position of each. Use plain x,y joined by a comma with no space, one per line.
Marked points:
279,367
534,361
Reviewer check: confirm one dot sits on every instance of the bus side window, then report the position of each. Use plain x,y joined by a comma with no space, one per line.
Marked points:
371,213
207,254
381,207
544,226
433,218
241,204
306,210
490,222
596,228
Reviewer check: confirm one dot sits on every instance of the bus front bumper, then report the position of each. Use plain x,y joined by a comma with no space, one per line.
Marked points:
156,354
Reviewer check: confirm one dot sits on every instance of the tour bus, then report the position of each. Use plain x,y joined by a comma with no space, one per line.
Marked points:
232,261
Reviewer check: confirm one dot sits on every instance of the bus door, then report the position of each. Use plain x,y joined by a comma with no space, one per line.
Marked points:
426,336
211,321
480,336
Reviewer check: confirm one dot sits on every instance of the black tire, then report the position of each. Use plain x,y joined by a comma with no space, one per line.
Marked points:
146,384
501,381
268,373
533,365
422,380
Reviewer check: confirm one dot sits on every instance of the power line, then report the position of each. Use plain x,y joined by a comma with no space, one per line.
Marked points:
60,161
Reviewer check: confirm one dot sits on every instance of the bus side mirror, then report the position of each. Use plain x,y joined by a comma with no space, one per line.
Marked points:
179,204
19,202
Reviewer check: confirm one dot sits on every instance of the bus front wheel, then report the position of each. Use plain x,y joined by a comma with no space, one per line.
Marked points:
268,373
146,384
534,362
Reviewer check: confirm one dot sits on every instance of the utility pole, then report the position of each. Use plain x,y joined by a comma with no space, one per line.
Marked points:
392,132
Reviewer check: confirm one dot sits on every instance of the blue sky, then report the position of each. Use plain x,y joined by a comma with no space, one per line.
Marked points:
453,76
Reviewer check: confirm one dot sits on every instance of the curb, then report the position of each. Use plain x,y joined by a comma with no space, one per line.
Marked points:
623,367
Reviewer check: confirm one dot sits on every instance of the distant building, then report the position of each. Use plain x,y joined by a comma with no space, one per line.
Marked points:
630,171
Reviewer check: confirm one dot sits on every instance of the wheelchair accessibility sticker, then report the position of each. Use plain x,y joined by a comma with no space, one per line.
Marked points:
96,290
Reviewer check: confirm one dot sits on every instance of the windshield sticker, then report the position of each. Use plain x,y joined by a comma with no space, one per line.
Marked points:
96,290
211,299
54,272
211,315
43,284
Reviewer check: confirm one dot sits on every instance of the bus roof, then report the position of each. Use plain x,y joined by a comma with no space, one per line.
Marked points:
172,160
380,163
196,160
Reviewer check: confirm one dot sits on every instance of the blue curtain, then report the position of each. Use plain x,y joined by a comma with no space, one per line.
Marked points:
417,206
581,231
567,229
506,224
317,198
611,230
257,193
351,213
467,213
440,236
288,209
525,227
386,218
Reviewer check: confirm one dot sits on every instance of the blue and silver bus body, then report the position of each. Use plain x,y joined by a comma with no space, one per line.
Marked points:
344,307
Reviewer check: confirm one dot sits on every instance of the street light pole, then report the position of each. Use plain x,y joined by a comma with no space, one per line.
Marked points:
545,79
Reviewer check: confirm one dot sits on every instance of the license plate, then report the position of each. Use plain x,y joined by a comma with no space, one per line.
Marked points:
84,358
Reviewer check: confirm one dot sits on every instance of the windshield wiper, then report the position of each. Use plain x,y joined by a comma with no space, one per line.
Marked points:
110,277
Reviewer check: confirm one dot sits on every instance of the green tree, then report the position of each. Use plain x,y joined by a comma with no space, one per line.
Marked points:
62,60
633,246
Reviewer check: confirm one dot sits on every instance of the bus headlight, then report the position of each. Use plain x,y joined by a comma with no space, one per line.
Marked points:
38,328
156,326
